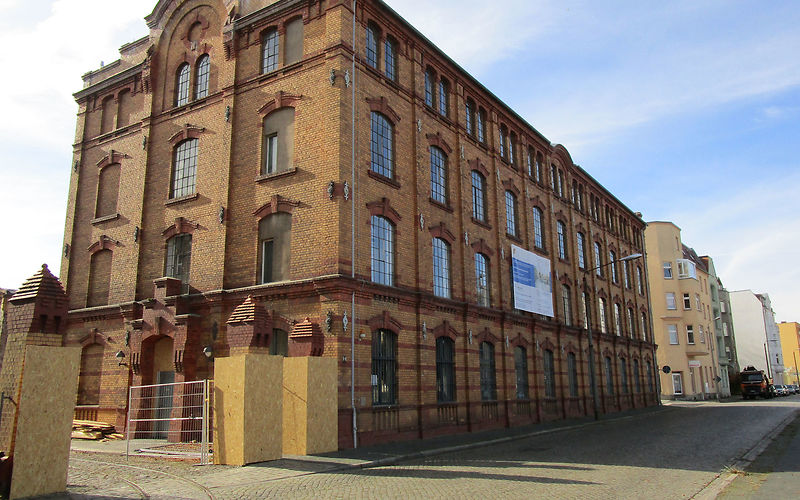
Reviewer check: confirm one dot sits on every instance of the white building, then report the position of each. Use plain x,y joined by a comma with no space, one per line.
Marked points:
757,336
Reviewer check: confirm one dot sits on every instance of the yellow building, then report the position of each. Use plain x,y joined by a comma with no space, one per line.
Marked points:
790,344
681,311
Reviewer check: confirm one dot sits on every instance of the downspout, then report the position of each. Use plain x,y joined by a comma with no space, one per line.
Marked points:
353,236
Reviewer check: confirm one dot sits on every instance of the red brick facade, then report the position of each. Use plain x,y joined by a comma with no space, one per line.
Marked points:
233,193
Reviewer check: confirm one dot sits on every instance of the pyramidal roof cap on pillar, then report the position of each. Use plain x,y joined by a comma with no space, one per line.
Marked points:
248,311
41,284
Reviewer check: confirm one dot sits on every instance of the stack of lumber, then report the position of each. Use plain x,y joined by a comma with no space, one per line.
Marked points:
89,429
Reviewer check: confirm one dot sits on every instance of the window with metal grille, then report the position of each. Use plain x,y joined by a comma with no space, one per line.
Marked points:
438,175
549,374
623,375
538,228
478,196
581,251
511,213
637,383
488,378
269,51
384,368
572,370
482,279
184,169
201,78
381,147
382,262
444,99
521,371
430,82
441,268
390,58
445,370
562,240
179,258
182,84
609,376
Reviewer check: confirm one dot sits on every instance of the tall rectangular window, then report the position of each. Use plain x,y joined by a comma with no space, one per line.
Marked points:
581,251
598,259
521,371
441,268
566,304
623,375
548,367
184,170
270,51
618,318
687,301
670,296
267,261
372,46
481,125
430,82
382,262
602,315
511,213
668,270
438,175
271,156
538,231
482,279
444,99
384,368
445,370
562,240
609,376
487,373
381,145
179,257
672,332
639,281
478,196
689,334
572,369
390,59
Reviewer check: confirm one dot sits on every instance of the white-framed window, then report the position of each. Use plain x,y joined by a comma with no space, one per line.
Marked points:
677,383
618,318
671,301
382,250
441,268
668,270
482,279
601,313
702,335
722,307
672,331
687,301
686,269
689,334
697,302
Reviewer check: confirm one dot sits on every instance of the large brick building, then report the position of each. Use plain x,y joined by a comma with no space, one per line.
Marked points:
244,180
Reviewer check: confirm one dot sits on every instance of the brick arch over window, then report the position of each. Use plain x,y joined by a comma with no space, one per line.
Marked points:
445,330
509,185
381,105
571,348
385,321
111,158
519,340
103,243
486,336
564,280
547,344
481,246
478,165
281,100
180,226
537,202
276,204
437,140
384,209
440,231
188,131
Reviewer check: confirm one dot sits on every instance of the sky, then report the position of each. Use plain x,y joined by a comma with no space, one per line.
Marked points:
688,111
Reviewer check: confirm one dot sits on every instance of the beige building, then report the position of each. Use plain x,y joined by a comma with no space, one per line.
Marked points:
682,316
790,344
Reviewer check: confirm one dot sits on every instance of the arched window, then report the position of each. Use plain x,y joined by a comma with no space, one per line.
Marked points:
612,259
644,326
438,175
512,149
609,376
373,34
602,315
478,196
548,367
90,373
430,83
381,145
637,382
107,190
538,228
482,280
537,168
598,259
623,375
278,141
184,169
179,258
529,162
562,240
481,125
269,50
618,318
511,214
274,238
572,370
441,268
294,41
469,121
502,144
649,376
566,304
203,70
279,343
382,261
445,370
390,58
488,377
521,371
99,278
126,108
631,323
182,84
639,280
444,97
107,120
581,251
384,368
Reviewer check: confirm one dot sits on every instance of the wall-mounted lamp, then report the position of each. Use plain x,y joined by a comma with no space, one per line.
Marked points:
120,356
208,352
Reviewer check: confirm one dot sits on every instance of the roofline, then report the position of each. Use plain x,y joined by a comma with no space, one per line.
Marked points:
108,82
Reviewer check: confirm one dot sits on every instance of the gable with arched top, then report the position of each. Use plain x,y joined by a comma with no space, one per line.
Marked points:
519,340
562,156
280,100
383,208
440,231
385,321
445,329
188,131
510,186
381,105
181,226
486,335
477,164
275,205
481,246
103,243
437,141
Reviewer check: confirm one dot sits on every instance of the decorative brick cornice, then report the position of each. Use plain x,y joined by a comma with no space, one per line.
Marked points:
385,321
381,105
281,100
510,186
384,209
188,131
276,204
104,243
445,330
440,231
111,158
481,246
436,140
478,165
181,226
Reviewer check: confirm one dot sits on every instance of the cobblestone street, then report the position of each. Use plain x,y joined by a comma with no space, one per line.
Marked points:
674,452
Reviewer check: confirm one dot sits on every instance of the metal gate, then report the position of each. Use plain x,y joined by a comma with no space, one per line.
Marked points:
171,419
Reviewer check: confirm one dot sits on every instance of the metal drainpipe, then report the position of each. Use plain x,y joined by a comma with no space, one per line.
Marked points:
353,236
654,369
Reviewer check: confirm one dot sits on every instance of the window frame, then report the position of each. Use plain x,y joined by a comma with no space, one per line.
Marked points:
538,228
442,285
202,77
185,157
438,164
381,145
488,372
482,280
479,200
445,370
183,77
270,50
385,249
384,368
512,223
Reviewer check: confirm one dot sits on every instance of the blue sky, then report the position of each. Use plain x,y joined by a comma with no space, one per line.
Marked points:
688,111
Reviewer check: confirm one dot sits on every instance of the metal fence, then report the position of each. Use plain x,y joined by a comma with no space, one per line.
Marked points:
171,419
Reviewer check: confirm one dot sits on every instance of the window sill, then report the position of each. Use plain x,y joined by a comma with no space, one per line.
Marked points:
563,261
104,218
176,201
381,178
276,175
540,250
441,205
481,223
514,238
